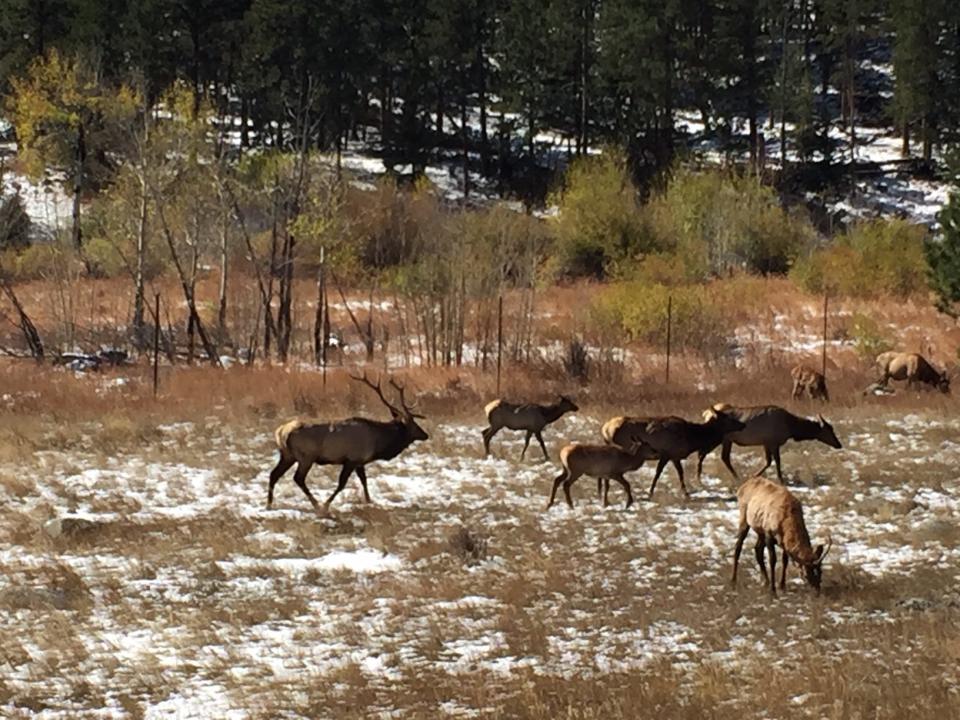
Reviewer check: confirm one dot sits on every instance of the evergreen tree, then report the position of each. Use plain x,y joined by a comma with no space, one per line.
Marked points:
943,256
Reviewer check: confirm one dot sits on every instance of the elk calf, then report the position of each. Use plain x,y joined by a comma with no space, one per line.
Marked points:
672,438
810,381
913,368
777,518
604,462
350,443
529,417
771,427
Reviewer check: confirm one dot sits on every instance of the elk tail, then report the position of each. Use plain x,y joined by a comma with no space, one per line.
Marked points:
282,434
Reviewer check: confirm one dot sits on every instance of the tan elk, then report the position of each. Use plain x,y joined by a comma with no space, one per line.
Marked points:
604,462
350,443
528,417
810,381
913,368
776,516
771,427
672,438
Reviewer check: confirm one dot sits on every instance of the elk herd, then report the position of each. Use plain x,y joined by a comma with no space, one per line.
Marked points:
772,511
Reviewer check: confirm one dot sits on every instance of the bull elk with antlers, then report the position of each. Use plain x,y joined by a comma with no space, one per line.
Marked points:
350,443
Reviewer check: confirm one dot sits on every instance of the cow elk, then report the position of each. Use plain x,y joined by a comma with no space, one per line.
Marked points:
350,443
672,438
528,417
913,368
776,516
770,427
809,381
604,462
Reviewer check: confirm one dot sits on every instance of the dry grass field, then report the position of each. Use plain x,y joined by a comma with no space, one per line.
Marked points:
167,590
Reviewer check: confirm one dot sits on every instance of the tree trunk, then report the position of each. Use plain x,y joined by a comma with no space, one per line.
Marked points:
222,294
81,159
27,327
139,325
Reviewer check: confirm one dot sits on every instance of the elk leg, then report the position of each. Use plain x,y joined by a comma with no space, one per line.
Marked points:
772,551
542,446
725,456
758,552
776,459
783,571
300,478
487,437
362,474
556,484
741,536
700,458
345,473
796,389
661,464
600,490
606,491
526,444
679,466
571,479
769,456
283,464
626,486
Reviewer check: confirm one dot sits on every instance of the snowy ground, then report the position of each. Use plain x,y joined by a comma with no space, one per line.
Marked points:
169,591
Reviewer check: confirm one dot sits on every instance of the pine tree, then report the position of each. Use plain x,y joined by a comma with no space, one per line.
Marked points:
943,257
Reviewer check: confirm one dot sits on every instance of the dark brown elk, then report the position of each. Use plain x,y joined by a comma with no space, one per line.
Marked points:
528,417
809,381
777,518
672,438
770,427
604,462
913,368
350,443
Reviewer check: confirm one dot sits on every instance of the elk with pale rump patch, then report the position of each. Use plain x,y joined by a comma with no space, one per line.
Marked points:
809,381
672,438
351,443
771,427
777,517
913,368
529,417
604,462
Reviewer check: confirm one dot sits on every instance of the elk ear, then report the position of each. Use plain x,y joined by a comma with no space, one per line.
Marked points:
709,414
818,553
823,423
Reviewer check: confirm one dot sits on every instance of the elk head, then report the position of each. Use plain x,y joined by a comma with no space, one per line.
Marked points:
567,404
943,383
826,435
404,414
813,571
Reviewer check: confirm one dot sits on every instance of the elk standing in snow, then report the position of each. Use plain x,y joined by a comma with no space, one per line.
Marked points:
810,381
351,443
913,368
529,417
777,518
672,438
604,462
771,427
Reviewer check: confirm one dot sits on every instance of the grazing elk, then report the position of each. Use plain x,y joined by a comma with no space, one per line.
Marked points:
529,417
810,381
913,368
604,462
351,443
777,518
672,438
771,427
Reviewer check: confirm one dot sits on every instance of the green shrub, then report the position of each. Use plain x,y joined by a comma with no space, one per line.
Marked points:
869,340
718,222
600,223
876,258
640,310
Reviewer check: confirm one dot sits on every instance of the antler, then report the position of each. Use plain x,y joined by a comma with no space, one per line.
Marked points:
377,389
829,545
406,408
